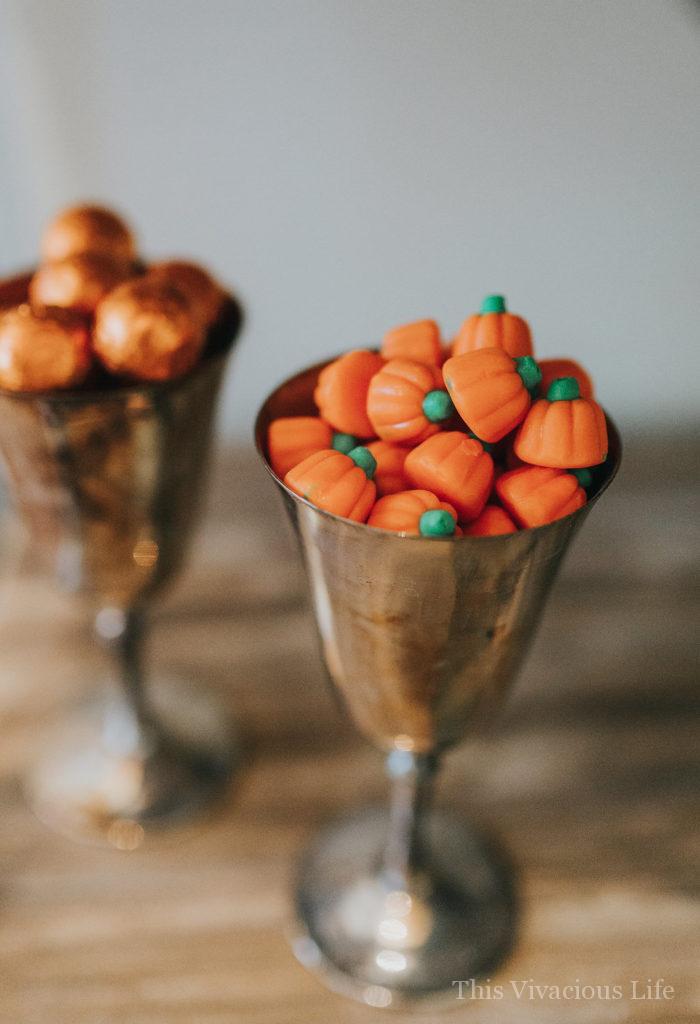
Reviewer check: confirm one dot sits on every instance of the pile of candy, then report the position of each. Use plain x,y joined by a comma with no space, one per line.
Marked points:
95,309
421,439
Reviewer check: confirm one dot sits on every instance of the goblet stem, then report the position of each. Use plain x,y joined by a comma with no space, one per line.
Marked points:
411,790
153,756
129,722
400,905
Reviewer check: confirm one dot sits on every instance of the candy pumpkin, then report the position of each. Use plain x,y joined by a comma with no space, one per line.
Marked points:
492,522
491,390
418,512
389,475
551,369
535,495
494,327
563,430
341,391
419,341
455,468
336,482
406,402
291,439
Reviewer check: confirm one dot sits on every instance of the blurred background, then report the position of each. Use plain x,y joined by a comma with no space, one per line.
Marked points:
351,165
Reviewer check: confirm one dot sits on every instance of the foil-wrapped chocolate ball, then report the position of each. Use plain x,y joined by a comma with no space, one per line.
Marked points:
77,282
42,351
145,330
81,229
202,292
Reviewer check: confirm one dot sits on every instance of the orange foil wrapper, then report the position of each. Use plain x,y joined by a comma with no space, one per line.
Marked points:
145,330
78,282
83,229
204,295
42,351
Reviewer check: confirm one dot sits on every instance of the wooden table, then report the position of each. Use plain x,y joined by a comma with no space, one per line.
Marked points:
587,776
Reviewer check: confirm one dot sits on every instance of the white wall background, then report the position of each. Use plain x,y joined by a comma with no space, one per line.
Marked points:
350,164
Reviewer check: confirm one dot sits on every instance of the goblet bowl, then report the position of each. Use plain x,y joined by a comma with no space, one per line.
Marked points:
422,637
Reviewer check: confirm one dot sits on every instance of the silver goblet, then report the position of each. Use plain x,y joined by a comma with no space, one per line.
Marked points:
422,637
107,483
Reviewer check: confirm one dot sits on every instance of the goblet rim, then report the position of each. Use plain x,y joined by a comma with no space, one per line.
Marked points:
221,338
614,448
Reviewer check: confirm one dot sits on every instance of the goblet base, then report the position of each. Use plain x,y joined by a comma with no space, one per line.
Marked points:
383,945
104,781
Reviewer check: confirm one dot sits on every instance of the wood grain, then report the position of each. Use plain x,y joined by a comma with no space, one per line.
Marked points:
589,777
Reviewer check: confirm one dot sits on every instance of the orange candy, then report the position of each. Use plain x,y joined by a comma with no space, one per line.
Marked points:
406,402
494,327
77,282
81,229
419,341
455,468
291,439
92,297
490,390
335,483
341,391
145,330
389,475
492,522
551,369
42,351
536,495
544,448
203,294
403,513
563,431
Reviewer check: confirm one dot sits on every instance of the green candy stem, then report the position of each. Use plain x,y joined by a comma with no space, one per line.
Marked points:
363,458
344,443
437,406
528,371
437,522
563,389
494,304
484,444
584,477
